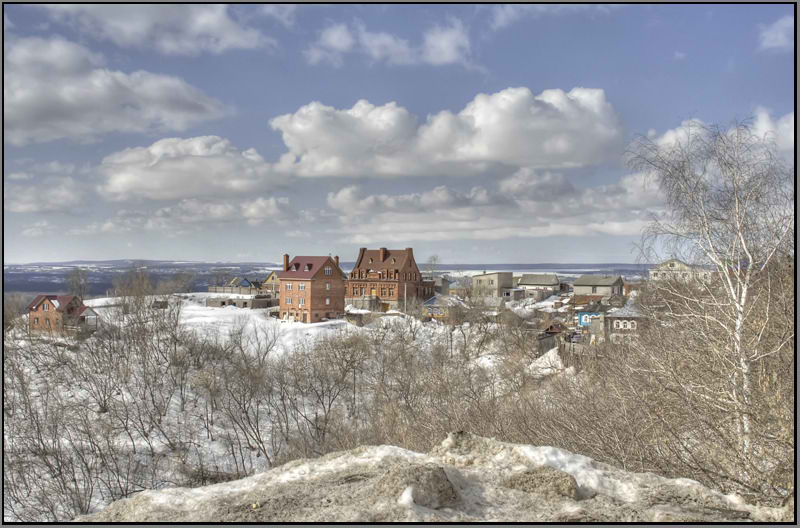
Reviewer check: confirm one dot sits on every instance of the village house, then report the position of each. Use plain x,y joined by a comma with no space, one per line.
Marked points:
598,285
439,306
624,323
441,284
312,289
674,269
60,313
384,279
539,285
271,284
492,284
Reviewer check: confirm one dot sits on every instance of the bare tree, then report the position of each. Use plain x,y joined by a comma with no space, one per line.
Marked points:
78,282
729,210
431,264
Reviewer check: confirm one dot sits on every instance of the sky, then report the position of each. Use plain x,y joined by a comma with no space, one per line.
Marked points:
479,133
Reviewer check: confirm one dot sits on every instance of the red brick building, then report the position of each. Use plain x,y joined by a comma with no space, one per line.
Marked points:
382,278
60,313
312,289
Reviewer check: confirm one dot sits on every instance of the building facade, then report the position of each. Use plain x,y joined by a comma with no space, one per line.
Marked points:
312,289
492,284
539,285
674,269
384,279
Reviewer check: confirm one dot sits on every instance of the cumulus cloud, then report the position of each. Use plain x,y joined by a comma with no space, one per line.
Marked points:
38,229
778,36
52,194
507,14
172,29
176,168
332,43
524,205
192,215
441,45
513,127
284,13
55,89
781,131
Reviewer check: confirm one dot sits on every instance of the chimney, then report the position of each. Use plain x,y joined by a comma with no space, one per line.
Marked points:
383,254
286,262
336,260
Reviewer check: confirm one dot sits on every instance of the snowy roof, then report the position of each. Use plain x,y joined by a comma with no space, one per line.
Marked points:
631,309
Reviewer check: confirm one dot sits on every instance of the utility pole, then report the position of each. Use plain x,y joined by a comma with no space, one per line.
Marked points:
405,297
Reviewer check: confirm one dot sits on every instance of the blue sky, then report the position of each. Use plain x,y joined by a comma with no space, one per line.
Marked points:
485,134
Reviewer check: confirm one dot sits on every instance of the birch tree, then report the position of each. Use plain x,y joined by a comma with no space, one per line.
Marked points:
729,214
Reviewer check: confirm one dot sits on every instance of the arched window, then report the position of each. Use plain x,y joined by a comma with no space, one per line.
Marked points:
633,325
624,325
616,324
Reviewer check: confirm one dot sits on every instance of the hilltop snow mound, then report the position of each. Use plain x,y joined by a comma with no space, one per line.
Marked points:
466,478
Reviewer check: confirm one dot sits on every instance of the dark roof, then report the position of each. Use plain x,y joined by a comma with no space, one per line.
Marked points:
595,307
61,300
400,256
85,310
539,279
307,267
584,299
597,280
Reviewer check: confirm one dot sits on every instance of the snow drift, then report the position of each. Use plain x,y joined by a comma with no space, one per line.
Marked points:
466,478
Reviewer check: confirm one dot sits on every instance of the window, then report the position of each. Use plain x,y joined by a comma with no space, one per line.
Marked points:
327,301
47,321
393,261
328,270
594,289
288,286
671,264
370,261
624,325
328,286
633,325
36,320
655,274
363,291
244,304
288,300
383,292
301,301
491,281
616,324
391,292
301,286
308,267
355,291
46,307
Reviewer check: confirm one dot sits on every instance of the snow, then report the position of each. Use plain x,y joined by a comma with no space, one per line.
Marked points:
526,307
548,363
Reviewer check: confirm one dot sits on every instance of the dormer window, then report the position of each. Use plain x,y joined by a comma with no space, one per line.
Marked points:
370,261
308,267
46,307
394,260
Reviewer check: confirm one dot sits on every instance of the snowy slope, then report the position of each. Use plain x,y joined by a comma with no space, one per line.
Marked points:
466,478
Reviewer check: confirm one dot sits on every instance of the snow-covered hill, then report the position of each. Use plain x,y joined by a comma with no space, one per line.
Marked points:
466,478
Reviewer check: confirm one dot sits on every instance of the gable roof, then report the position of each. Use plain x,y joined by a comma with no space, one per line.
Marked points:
86,311
59,301
578,300
539,279
270,276
597,280
443,300
308,267
401,257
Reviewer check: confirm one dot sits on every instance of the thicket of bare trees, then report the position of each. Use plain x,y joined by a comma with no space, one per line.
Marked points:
706,392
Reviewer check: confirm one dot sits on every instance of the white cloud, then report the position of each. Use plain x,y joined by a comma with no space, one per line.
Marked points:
679,55
447,44
385,46
778,36
525,205
38,229
441,45
20,176
780,131
511,127
176,168
333,41
52,194
284,13
507,14
56,89
7,22
172,29
192,215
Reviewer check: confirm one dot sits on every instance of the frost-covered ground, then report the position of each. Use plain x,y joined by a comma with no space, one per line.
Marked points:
466,478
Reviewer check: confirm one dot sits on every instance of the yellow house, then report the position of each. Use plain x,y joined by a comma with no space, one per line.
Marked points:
272,283
674,269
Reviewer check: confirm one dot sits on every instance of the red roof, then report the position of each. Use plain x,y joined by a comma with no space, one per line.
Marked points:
307,267
62,301
378,264
585,299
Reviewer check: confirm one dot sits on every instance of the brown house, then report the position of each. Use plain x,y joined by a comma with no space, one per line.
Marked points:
312,289
60,313
384,278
